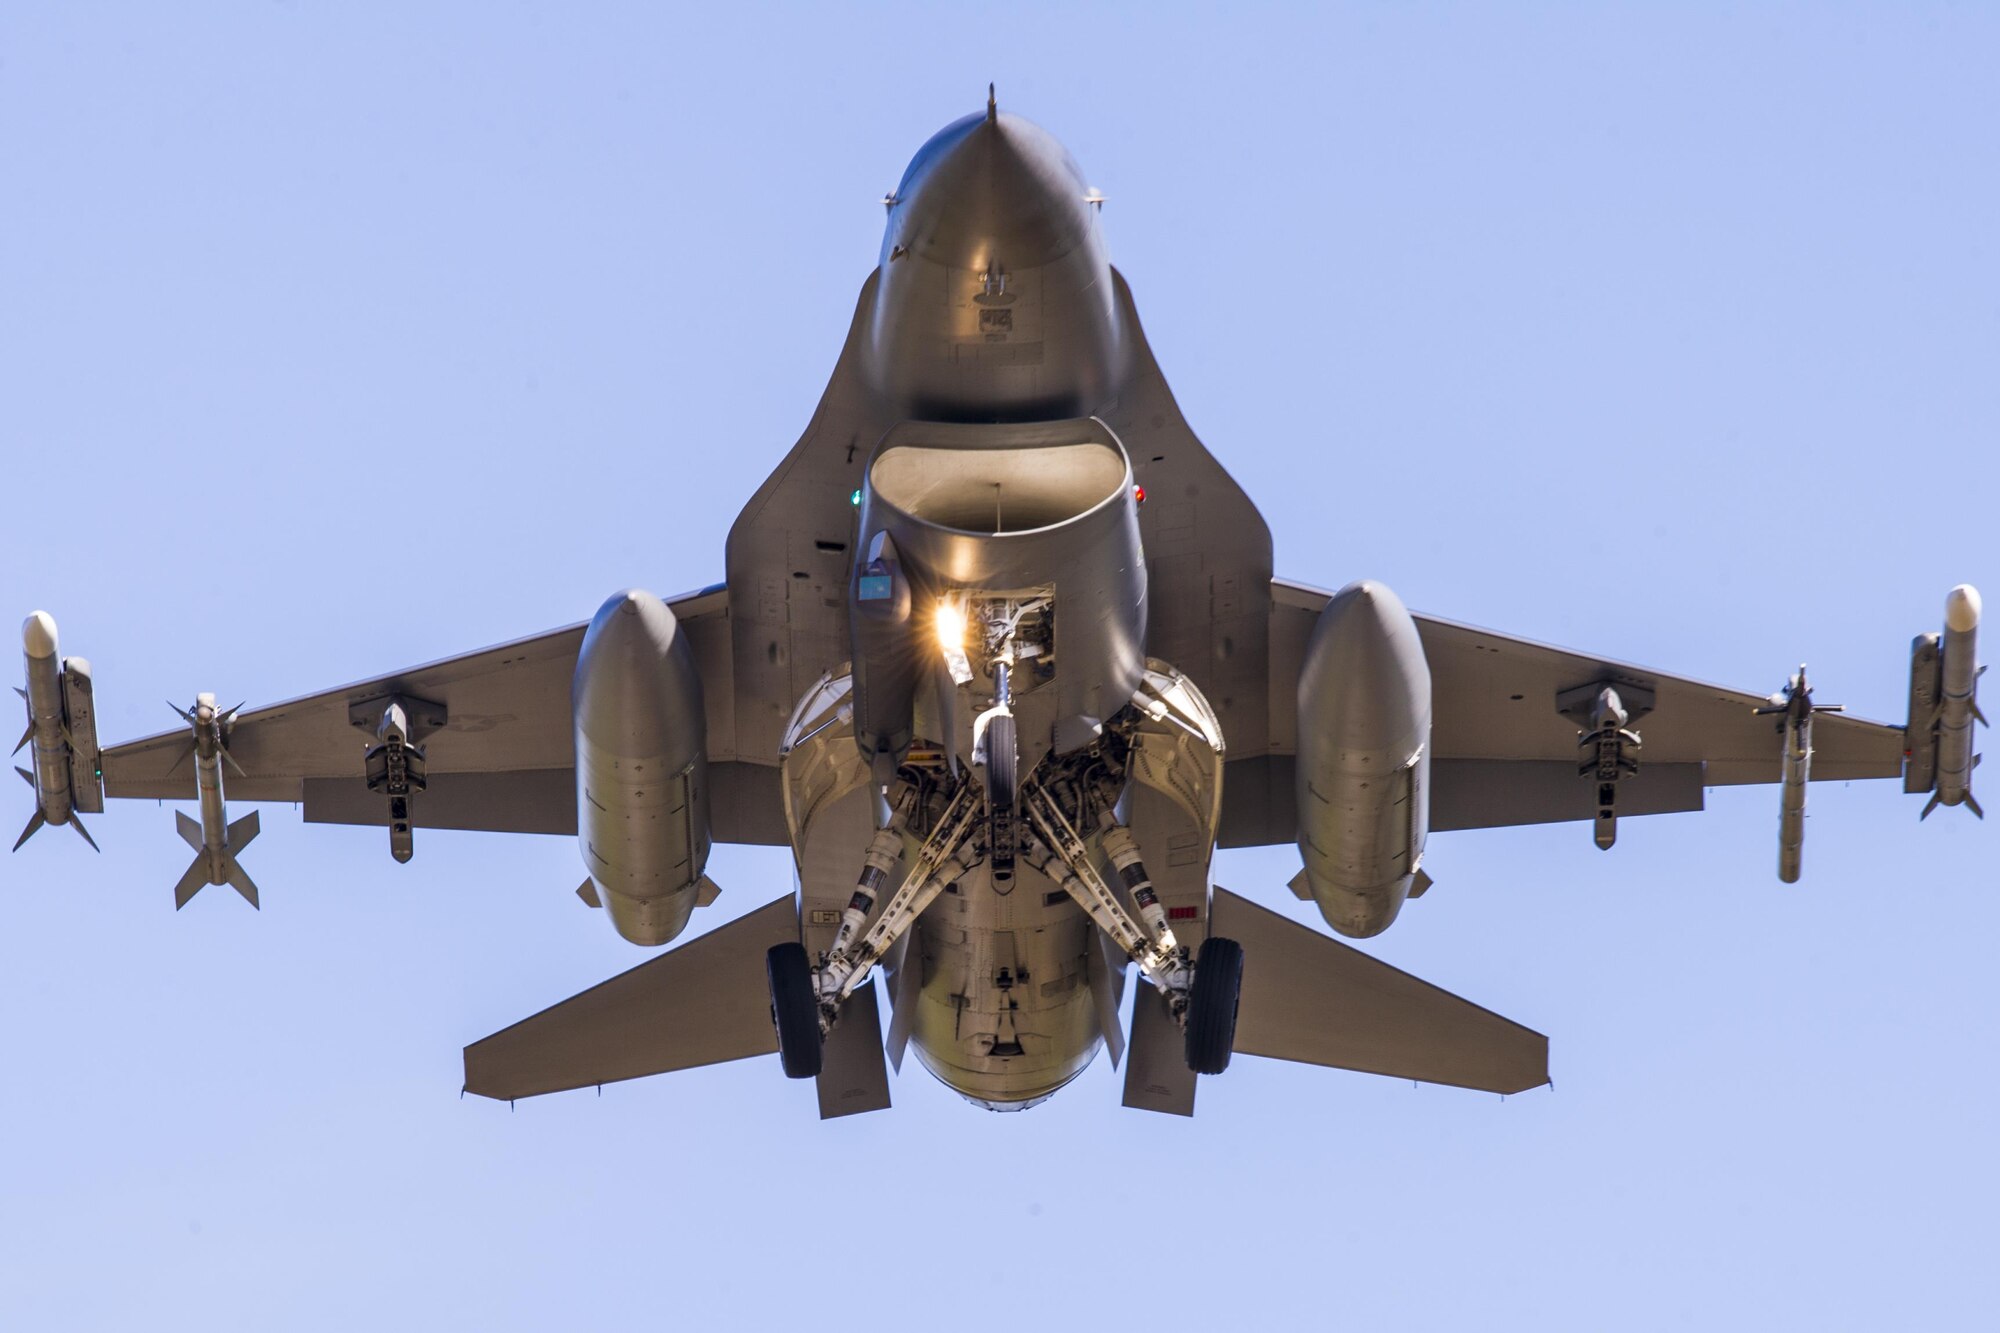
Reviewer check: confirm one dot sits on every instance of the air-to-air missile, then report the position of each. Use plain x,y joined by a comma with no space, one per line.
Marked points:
1958,702
64,777
1794,709
216,842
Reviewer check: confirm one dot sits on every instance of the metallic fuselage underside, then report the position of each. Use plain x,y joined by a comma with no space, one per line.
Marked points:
994,305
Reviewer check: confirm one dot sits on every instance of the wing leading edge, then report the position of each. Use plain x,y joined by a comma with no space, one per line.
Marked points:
502,759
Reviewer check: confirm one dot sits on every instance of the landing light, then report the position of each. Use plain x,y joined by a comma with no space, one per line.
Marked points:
950,625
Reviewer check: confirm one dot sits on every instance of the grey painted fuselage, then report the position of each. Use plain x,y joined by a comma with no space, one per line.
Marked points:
995,304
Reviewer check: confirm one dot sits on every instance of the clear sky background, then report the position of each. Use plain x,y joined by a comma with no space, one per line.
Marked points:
335,338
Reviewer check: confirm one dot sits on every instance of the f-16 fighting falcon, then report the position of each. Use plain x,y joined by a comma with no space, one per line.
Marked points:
999,654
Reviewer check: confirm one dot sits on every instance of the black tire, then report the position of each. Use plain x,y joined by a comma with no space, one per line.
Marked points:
794,1009
1003,761
1211,1016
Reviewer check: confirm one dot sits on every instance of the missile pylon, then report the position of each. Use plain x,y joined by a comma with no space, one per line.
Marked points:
216,842
1958,701
1794,708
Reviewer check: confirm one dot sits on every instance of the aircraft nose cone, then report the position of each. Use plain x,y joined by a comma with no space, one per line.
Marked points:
38,635
989,189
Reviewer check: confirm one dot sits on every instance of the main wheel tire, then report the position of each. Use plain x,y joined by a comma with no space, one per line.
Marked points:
1211,1015
1003,763
794,1009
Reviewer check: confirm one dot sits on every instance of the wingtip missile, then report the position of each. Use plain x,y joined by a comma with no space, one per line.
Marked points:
38,635
1957,695
1961,609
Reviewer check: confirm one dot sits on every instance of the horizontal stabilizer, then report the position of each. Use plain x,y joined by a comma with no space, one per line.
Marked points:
1307,997
701,1004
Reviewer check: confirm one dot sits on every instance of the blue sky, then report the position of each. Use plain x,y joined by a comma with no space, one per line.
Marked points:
337,338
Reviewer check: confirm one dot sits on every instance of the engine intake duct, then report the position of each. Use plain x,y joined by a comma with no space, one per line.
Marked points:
952,507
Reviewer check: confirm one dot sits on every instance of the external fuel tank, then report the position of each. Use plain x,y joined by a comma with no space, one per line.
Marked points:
1363,775
641,766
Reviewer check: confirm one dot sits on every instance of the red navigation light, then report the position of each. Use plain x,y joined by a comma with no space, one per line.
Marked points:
1138,495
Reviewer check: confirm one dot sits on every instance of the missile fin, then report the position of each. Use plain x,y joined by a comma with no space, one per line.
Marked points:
182,760
241,882
35,821
706,891
26,776
1975,712
26,736
1973,806
18,690
84,833
240,833
587,891
191,882
1930,806
234,767
190,831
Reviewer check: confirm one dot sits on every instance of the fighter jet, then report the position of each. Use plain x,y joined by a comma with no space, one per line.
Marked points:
999,653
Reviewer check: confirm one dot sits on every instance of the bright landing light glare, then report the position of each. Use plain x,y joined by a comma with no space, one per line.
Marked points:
950,623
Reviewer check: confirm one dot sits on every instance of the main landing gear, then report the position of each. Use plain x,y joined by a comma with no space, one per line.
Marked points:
806,1000
794,1009
1201,995
1211,1010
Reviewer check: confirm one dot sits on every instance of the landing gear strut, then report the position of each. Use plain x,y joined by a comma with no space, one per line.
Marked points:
805,999
1201,996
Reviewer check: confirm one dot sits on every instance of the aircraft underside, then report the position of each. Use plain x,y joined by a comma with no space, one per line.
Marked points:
1001,657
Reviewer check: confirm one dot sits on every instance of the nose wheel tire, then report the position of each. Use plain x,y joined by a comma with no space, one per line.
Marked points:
1003,765
794,1009
1211,1012
1003,759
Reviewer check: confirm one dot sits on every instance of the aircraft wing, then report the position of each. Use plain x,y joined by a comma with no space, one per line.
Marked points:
703,1003
501,756
1502,753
